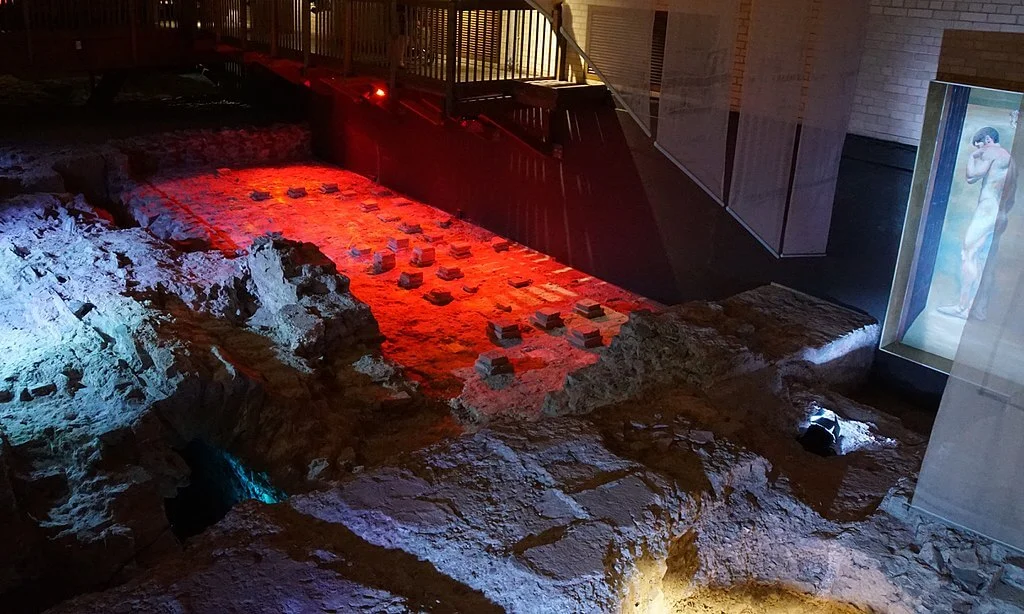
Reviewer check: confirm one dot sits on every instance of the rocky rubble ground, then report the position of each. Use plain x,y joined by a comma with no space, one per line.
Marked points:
678,496
120,349
666,477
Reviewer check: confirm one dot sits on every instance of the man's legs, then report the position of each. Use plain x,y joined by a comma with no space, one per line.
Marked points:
971,266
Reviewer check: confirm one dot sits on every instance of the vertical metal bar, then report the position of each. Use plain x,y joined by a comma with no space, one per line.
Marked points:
546,46
347,39
396,44
307,36
520,35
273,28
532,46
341,37
244,16
452,49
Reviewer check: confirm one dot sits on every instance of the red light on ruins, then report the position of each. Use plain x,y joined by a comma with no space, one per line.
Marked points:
380,93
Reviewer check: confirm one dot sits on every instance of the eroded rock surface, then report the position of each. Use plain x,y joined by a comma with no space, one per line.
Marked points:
669,477
550,519
120,348
702,344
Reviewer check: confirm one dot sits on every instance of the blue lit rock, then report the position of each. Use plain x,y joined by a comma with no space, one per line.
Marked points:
126,348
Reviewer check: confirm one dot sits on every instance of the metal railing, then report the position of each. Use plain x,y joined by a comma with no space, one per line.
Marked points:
463,46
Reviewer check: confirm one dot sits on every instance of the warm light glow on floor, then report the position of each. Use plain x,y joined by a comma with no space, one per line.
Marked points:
437,344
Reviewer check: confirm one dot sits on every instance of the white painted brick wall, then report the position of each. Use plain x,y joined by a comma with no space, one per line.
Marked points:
902,54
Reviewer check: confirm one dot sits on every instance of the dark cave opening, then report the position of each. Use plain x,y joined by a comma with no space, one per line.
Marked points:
218,482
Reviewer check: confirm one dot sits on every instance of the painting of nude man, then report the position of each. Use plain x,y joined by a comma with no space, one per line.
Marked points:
968,210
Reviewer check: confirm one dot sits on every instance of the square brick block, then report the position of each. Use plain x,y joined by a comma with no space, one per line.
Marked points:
369,206
349,193
493,363
296,192
383,261
423,256
439,297
361,250
329,188
398,243
410,228
585,337
460,250
519,282
410,280
547,319
259,195
588,308
433,237
450,273
501,245
505,329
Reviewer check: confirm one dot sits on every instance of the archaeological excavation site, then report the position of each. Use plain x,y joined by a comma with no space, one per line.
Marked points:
593,306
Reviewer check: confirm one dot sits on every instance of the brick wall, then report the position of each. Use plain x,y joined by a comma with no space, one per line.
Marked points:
988,59
902,55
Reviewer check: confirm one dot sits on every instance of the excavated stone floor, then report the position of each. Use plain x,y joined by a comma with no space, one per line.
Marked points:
659,473
436,344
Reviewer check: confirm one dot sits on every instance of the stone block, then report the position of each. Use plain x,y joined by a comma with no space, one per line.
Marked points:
445,223
410,228
433,237
519,282
369,206
547,319
504,329
361,250
585,337
349,193
501,245
439,297
259,195
588,308
396,244
491,363
450,273
410,280
329,188
387,218
471,288
401,202
381,191
460,250
423,256
296,192
383,261
503,306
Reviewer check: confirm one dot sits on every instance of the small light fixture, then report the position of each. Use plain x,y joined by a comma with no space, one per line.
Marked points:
380,92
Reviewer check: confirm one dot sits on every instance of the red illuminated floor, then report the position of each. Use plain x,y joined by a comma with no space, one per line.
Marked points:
436,344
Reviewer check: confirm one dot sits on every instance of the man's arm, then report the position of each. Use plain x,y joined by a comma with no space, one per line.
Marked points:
978,166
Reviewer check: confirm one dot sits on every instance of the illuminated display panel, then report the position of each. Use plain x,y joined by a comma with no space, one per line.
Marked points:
960,218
